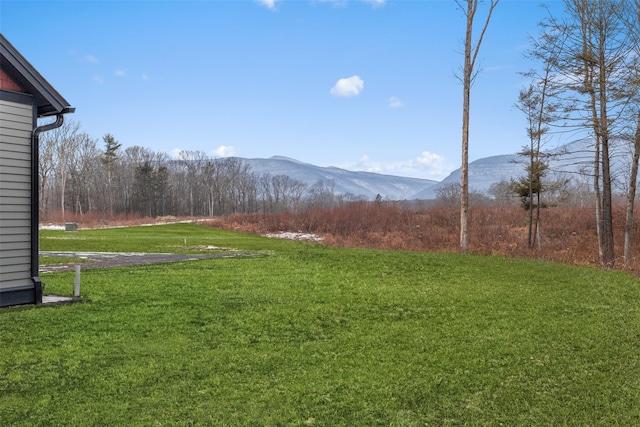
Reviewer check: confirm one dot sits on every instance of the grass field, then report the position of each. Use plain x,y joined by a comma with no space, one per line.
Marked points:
305,334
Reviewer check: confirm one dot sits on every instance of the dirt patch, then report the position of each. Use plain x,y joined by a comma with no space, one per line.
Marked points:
123,259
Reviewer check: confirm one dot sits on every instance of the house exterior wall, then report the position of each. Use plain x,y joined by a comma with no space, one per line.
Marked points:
17,121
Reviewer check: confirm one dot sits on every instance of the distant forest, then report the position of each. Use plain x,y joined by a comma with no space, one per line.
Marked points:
80,174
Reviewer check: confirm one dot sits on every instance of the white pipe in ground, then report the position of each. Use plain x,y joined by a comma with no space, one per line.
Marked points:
76,284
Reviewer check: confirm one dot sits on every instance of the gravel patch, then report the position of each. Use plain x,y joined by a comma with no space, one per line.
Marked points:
123,259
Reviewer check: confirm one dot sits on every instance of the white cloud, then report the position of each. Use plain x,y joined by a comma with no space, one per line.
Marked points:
375,3
224,151
430,160
90,58
144,76
269,4
98,79
119,73
395,102
348,87
427,166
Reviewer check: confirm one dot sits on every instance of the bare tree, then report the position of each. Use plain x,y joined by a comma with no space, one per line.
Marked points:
469,8
321,194
631,195
449,194
501,192
83,173
61,144
631,17
193,163
539,102
594,63
46,170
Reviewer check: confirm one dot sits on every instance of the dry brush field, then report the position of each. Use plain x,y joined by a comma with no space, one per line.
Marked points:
568,232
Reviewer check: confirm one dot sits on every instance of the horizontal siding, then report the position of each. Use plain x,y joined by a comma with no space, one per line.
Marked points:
17,148
7,216
16,129
15,234
16,133
16,253
17,275
14,182
16,185
19,224
17,265
19,268
16,123
16,246
13,280
16,161
16,117
14,170
14,143
15,203
11,209
10,193
15,109
12,239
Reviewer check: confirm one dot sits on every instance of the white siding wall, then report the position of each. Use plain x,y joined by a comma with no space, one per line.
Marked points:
16,125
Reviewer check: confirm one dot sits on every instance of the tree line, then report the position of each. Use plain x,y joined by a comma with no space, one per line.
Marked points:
586,80
589,81
77,175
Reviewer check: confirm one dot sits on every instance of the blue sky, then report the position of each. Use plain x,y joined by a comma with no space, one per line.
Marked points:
363,85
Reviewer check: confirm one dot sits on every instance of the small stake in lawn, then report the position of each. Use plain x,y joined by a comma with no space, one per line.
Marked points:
76,284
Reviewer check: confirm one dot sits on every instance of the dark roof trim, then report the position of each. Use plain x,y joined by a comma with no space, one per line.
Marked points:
17,97
48,100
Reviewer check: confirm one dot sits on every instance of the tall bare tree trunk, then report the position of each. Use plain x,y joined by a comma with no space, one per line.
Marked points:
466,99
631,195
598,196
530,212
607,203
470,55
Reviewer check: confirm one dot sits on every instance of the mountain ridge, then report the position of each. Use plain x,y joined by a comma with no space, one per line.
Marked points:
358,183
573,158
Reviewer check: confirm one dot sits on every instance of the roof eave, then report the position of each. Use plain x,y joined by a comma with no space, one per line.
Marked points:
49,101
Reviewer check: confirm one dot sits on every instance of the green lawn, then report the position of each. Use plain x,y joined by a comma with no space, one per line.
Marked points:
312,335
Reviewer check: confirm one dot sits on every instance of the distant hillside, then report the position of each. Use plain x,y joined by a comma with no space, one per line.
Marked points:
482,174
574,159
365,184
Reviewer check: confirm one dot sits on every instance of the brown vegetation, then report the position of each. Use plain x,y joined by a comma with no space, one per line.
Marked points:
568,232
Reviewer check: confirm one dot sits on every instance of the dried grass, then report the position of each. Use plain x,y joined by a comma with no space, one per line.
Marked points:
568,233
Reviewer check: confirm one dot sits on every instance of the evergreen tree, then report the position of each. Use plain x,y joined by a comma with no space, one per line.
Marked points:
108,159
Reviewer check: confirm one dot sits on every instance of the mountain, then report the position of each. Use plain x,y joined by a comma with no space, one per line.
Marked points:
365,184
482,174
574,159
